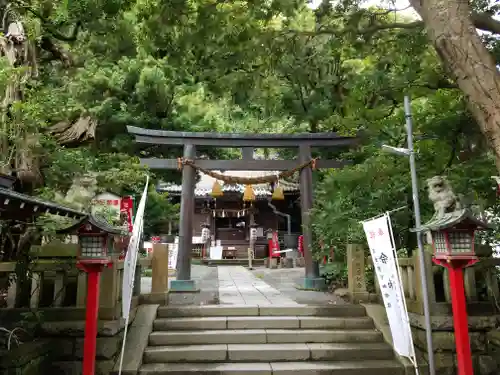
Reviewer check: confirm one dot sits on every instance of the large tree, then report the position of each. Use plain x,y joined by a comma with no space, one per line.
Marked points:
469,58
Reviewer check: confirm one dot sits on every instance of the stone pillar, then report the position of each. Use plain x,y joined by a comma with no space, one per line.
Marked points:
430,280
356,273
183,283
159,265
312,279
252,238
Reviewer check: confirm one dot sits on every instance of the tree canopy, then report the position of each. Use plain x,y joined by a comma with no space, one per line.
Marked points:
75,74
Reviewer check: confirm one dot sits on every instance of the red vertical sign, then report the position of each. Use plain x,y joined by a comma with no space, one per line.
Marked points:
126,206
301,245
274,246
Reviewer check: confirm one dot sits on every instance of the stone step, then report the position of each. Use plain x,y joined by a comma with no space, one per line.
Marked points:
249,310
261,322
262,336
268,352
240,261
378,367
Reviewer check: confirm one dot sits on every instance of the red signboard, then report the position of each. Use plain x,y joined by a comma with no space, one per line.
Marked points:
301,245
126,206
274,246
155,239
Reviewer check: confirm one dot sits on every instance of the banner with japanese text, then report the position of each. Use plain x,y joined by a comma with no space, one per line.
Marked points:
130,261
379,235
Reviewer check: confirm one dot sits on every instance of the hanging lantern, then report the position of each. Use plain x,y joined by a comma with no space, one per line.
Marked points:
216,190
249,194
278,194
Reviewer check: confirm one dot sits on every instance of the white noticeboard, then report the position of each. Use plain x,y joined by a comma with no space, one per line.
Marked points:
173,251
379,235
216,252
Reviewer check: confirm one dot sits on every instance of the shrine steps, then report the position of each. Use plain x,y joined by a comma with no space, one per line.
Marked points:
232,262
286,340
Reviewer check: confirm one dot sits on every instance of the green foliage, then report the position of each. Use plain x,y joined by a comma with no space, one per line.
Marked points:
248,66
381,182
159,212
335,273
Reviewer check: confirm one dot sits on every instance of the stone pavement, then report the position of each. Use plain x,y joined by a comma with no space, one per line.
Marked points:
205,279
238,286
286,281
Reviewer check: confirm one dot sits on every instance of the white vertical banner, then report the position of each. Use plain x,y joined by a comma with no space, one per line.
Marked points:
130,261
379,235
173,252
129,265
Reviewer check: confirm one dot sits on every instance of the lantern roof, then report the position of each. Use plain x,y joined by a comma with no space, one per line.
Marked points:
463,218
95,221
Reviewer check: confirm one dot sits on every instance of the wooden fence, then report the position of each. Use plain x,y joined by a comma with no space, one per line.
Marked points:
481,283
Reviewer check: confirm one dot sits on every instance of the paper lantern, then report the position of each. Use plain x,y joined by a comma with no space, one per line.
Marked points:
278,194
249,194
216,190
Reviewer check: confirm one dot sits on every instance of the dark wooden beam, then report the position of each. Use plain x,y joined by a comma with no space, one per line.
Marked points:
234,140
243,165
247,153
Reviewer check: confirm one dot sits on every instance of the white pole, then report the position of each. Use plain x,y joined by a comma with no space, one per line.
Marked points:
130,302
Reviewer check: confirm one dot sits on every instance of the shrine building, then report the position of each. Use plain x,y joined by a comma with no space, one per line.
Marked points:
229,215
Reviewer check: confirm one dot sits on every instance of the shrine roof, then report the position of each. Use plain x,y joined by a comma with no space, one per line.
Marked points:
451,219
95,221
203,187
14,205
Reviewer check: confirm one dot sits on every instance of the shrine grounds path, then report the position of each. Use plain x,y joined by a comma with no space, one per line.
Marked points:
236,285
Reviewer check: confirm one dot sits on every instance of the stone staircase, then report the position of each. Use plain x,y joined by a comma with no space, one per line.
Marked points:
265,340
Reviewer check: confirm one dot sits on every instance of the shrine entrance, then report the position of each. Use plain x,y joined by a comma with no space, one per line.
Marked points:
189,164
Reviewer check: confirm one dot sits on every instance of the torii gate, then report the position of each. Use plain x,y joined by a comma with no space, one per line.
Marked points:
247,142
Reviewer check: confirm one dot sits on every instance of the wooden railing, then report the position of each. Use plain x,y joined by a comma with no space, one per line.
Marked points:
56,284
481,284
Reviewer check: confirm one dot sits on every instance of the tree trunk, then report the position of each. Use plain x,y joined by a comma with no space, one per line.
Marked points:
450,28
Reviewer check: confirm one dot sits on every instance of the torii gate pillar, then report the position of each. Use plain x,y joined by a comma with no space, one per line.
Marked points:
312,278
183,282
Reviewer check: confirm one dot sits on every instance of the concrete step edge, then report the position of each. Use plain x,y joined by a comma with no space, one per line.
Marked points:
261,322
262,336
371,367
264,330
248,310
285,346
267,352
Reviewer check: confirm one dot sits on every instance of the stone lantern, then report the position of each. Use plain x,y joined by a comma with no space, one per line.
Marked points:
452,230
453,236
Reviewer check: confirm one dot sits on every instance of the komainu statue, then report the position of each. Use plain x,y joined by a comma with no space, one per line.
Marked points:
442,196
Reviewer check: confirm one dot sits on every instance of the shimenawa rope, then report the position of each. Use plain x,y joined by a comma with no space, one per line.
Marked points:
246,180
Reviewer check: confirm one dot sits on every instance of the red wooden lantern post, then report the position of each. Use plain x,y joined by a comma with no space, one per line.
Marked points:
96,243
453,243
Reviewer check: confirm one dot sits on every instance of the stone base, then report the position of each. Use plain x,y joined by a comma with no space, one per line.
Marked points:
183,286
314,283
154,298
359,297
